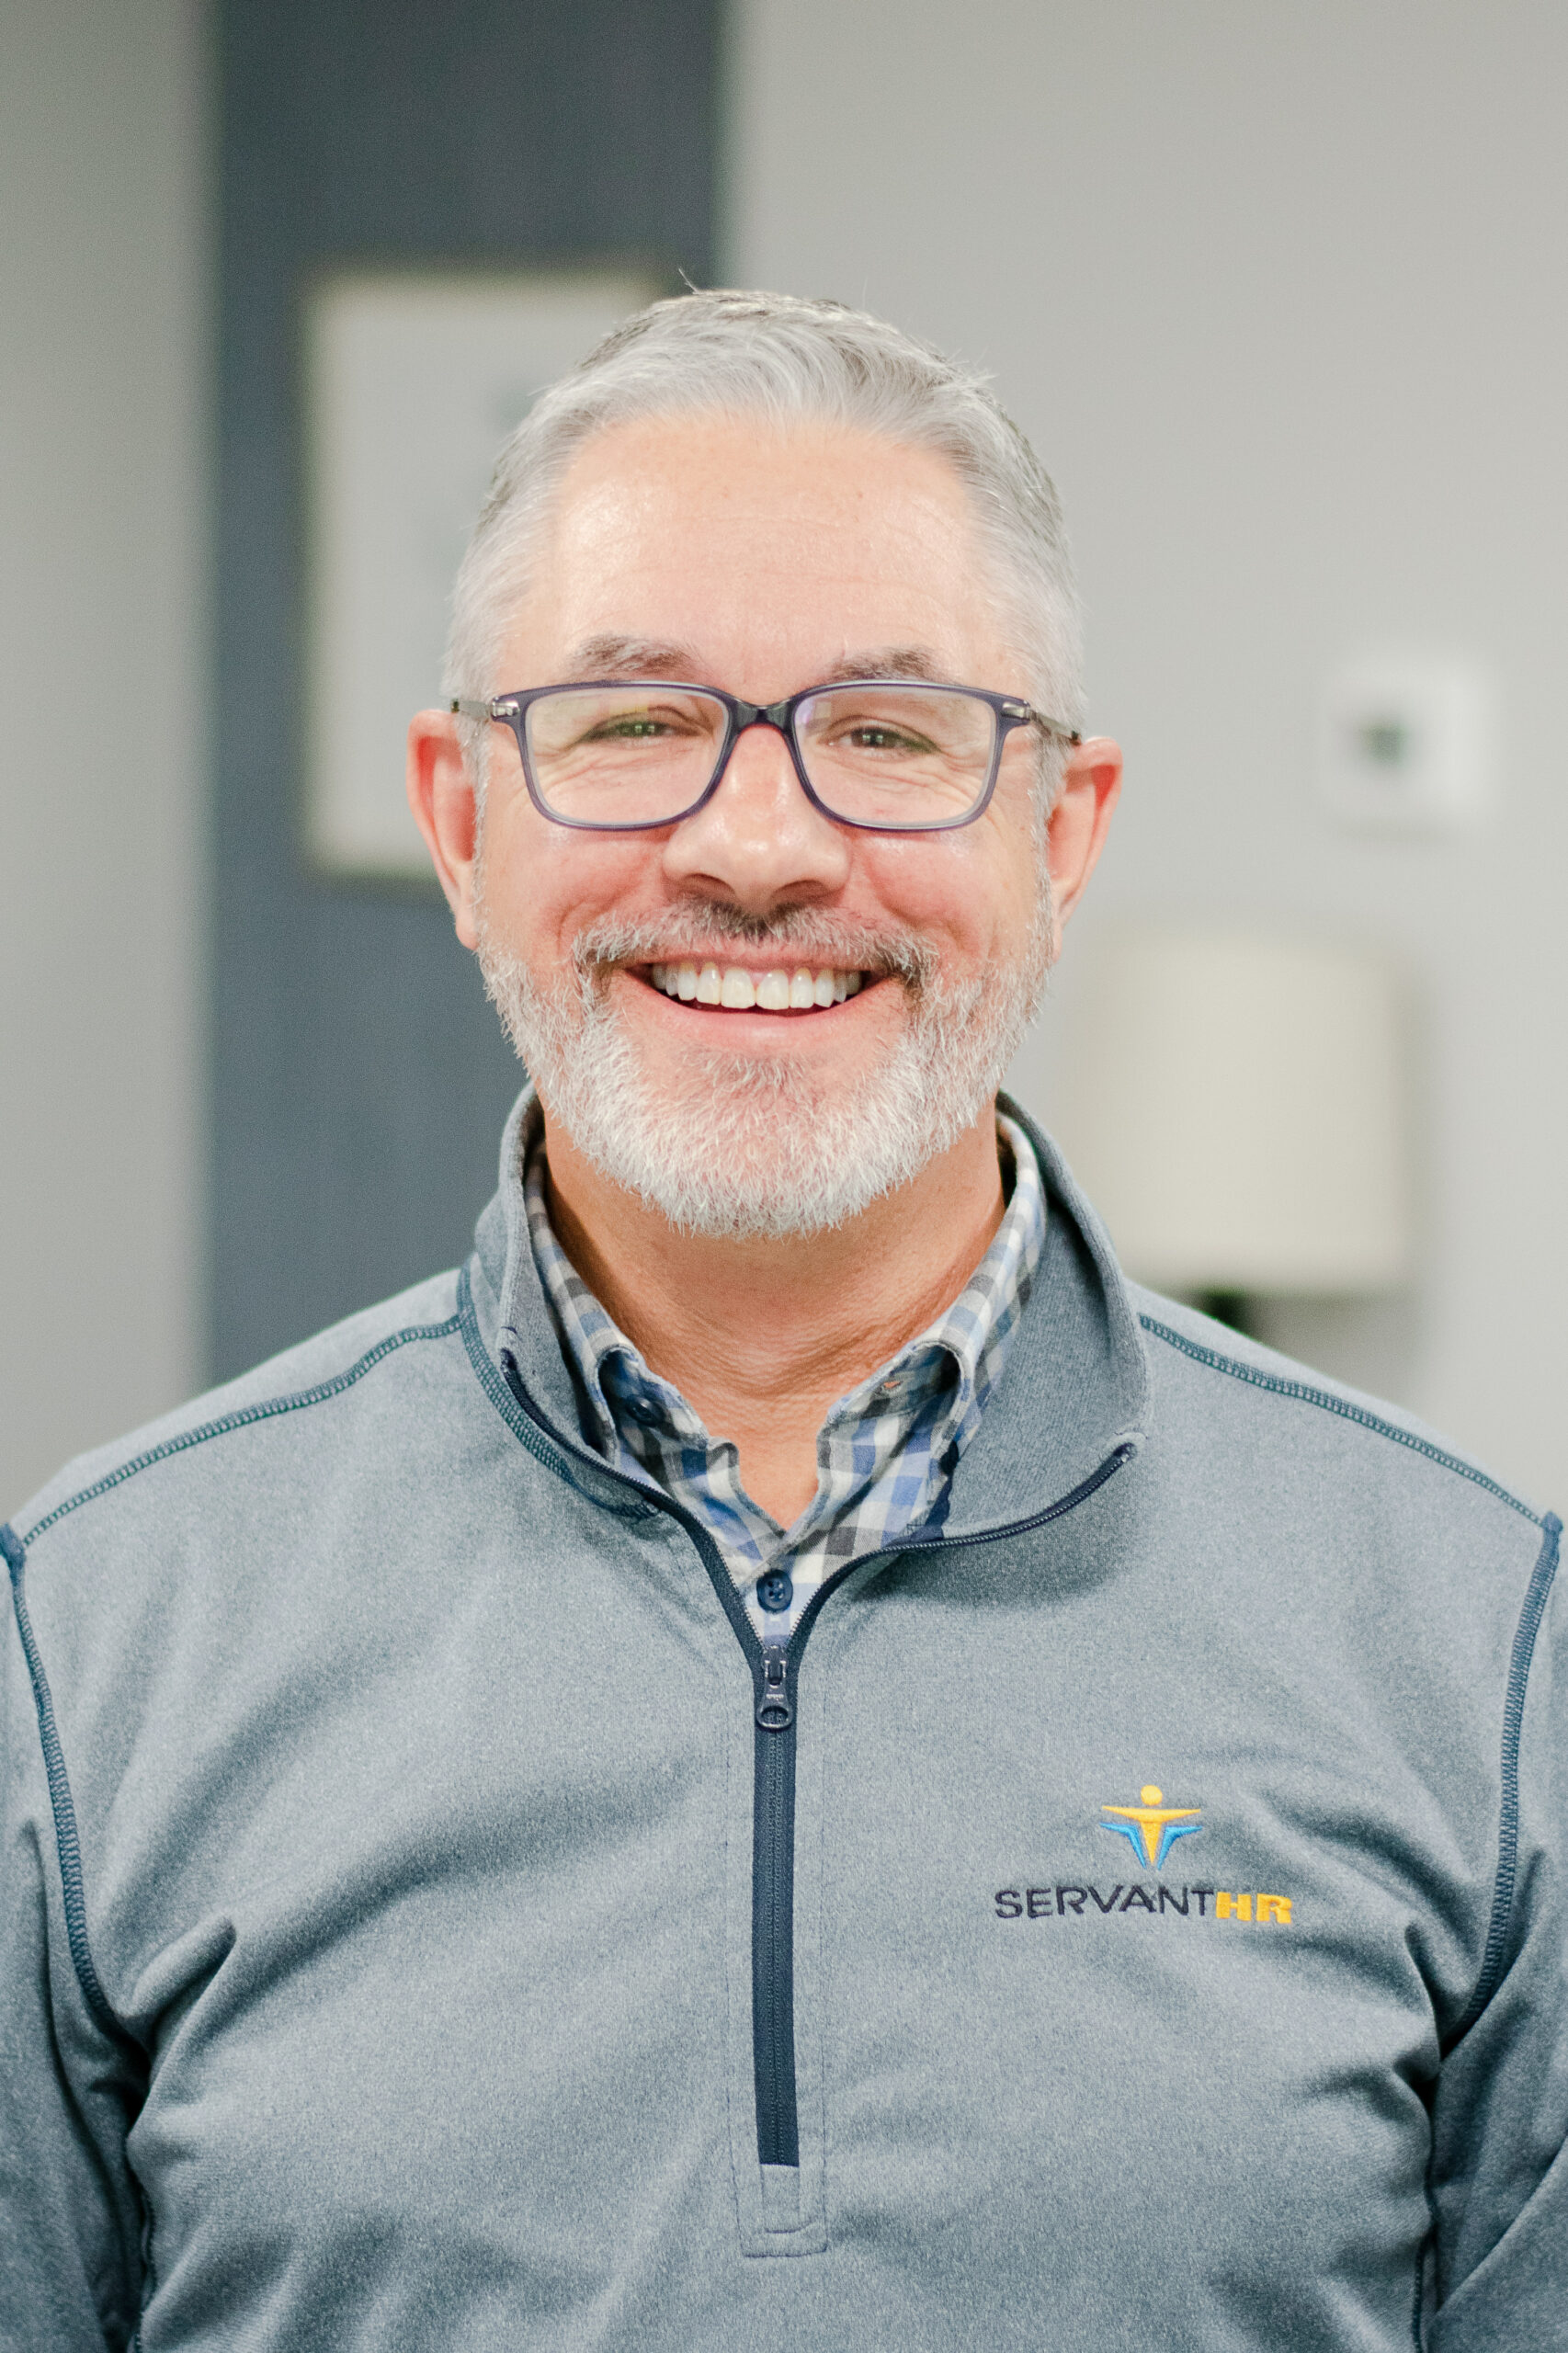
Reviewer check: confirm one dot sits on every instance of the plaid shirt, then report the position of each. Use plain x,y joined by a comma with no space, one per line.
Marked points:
884,1454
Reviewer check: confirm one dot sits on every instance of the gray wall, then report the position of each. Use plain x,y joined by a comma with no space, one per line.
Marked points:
102,639
1279,295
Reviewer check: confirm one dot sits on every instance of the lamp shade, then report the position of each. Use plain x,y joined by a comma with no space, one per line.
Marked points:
1234,1107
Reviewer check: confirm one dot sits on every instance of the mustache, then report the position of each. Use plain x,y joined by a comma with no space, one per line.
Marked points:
700,933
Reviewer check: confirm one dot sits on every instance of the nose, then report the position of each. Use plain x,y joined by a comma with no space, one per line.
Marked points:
759,841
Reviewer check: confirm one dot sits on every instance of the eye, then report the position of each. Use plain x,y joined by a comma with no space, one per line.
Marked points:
638,730
876,736
643,726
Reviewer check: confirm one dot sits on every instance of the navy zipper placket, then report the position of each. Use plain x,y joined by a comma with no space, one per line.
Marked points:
775,1677
773,1854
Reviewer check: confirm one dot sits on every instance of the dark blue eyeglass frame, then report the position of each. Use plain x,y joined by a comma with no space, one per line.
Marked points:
512,711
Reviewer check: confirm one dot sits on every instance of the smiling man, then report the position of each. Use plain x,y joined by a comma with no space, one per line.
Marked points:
766,962
784,1759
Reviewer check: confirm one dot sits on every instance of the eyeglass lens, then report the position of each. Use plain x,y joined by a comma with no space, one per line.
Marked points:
883,755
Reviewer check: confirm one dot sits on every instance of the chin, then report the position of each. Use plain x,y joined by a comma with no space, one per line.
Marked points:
744,1147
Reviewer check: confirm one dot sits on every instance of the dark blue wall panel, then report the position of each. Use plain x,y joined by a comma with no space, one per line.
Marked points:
360,1079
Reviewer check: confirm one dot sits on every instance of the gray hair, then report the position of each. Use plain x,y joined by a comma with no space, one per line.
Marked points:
783,359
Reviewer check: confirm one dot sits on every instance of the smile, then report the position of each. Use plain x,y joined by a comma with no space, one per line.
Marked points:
739,990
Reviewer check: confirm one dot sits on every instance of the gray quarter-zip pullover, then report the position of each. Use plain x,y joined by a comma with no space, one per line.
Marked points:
1130,1913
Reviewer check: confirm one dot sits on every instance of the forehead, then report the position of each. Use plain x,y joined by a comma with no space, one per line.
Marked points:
762,540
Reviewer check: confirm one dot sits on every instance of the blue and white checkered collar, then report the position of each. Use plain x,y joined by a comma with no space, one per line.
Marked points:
964,1350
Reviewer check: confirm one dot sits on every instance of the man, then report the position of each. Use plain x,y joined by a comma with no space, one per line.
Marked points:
785,1760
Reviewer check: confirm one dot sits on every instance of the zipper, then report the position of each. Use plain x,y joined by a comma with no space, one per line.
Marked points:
773,1837
773,1914
775,1677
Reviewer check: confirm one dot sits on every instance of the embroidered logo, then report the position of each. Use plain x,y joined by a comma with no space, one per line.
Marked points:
1151,1827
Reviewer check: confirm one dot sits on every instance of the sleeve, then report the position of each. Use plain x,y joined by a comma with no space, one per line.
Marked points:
71,2224
1499,2177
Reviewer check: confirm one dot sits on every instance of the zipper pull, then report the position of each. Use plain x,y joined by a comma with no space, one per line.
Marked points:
774,1712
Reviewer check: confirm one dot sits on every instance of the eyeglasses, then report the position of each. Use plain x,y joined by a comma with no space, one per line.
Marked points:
887,755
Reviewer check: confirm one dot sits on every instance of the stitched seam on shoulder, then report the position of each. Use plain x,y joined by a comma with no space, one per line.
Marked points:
1519,1661
1327,1403
292,1401
66,1841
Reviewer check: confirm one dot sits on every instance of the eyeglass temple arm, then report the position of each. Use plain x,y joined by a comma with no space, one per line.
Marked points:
1027,713
463,710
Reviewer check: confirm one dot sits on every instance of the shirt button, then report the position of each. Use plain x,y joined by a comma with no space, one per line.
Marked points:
775,1591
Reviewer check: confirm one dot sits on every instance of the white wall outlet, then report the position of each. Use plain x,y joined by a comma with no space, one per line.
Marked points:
1404,744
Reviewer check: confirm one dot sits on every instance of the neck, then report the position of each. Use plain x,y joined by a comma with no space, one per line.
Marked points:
762,1338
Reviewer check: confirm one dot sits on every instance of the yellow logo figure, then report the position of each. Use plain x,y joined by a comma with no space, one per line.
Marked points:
1153,1828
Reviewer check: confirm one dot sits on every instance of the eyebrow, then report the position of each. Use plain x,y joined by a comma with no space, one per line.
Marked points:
889,662
615,656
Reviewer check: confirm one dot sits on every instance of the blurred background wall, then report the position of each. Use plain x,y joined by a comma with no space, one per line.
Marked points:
106,201
1277,294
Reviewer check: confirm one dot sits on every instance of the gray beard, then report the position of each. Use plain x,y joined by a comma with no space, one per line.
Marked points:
751,1146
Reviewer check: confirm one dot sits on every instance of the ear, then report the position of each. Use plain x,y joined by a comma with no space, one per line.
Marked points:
441,795
1077,828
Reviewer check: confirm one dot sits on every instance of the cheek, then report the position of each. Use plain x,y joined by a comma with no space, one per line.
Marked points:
972,890
542,882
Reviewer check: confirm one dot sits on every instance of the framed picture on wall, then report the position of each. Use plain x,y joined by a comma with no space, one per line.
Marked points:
412,382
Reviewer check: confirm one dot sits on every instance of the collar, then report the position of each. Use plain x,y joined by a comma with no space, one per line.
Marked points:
961,1352
1077,1385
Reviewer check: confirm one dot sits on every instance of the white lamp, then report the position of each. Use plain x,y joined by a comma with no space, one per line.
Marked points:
1234,1106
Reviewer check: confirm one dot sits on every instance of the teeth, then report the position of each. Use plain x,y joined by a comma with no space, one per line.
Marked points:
775,991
